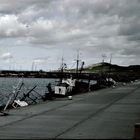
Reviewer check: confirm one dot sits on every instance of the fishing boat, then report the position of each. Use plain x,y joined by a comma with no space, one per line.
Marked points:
65,87
69,86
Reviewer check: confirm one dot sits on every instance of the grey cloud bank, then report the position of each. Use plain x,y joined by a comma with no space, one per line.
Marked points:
34,29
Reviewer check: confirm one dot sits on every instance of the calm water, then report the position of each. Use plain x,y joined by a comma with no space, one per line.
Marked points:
7,87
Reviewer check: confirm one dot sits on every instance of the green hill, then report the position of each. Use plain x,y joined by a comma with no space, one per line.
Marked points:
106,67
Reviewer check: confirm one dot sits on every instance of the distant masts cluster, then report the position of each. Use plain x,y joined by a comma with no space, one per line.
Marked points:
104,56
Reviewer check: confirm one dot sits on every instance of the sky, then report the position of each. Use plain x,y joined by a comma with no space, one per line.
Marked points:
36,34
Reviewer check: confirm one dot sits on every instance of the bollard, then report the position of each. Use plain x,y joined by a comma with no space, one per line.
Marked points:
70,97
137,131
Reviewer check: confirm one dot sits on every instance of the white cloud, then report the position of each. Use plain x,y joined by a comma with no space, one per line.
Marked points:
11,27
41,60
7,56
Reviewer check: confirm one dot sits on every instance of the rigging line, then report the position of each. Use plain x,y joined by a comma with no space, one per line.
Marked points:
73,65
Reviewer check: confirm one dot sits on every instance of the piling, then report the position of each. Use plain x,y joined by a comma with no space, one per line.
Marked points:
137,131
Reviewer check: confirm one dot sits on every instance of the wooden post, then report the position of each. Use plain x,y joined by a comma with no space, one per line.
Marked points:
137,131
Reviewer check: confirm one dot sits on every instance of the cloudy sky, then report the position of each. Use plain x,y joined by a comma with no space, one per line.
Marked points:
35,34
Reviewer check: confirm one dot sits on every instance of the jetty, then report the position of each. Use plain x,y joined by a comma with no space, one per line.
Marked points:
110,113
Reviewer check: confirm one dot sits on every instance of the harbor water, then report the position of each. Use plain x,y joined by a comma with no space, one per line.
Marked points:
8,85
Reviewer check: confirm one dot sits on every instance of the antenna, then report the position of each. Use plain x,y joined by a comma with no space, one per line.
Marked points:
103,57
32,66
110,58
110,65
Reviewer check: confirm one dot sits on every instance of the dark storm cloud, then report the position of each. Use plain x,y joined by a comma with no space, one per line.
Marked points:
132,51
17,6
135,37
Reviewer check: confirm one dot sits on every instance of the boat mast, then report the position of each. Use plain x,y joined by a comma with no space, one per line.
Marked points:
61,69
77,63
62,65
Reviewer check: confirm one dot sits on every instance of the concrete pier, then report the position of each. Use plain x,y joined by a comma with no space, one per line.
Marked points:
105,114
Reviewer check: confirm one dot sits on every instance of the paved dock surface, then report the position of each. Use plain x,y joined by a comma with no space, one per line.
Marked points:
105,114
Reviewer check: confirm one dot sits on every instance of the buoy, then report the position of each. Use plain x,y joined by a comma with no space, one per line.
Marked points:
124,84
70,97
